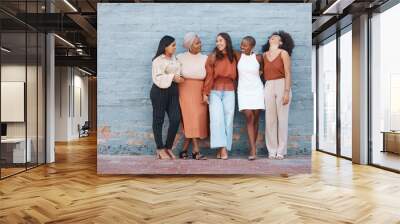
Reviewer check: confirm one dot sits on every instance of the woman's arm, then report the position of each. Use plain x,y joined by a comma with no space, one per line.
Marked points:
237,55
288,76
209,80
260,60
178,78
159,76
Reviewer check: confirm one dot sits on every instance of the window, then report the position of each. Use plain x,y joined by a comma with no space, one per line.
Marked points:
327,96
385,89
346,95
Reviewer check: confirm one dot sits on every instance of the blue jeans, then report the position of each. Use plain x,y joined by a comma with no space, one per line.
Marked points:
222,110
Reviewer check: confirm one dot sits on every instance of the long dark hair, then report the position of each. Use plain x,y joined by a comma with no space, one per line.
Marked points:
229,49
164,42
287,42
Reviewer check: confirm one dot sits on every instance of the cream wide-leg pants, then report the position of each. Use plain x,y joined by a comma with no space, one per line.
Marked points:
276,117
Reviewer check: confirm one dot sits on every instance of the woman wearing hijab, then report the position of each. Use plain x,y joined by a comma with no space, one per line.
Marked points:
194,110
164,95
278,94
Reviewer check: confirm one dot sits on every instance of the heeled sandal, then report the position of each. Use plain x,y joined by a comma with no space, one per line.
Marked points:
198,156
184,154
251,158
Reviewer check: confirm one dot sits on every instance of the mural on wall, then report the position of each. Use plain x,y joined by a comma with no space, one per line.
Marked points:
127,42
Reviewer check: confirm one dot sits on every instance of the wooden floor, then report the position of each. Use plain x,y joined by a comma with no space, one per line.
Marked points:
387,159
70,191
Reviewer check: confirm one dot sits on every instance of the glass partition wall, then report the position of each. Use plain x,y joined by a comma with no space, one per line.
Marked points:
327,95
334,94
22,88
346,95
385,90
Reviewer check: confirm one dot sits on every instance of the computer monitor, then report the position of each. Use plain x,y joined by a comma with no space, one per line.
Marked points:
3,130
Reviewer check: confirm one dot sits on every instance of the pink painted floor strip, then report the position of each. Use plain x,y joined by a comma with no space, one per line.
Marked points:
107,164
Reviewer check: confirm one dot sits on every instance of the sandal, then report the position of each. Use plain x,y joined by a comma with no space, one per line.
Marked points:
198,156
280,157
170,153
219,154
224,157
161,154
251,158
184,155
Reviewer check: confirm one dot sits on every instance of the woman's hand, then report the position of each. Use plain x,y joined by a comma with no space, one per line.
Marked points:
178,79
205,99
285,98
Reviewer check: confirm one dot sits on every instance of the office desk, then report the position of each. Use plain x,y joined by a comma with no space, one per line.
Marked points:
16,147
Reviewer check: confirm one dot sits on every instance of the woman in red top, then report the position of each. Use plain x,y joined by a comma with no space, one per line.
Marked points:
219,92
277,73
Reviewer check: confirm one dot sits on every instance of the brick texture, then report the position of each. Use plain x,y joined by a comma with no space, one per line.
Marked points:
128,35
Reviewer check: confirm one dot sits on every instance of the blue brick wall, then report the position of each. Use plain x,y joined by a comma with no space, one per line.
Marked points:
128,35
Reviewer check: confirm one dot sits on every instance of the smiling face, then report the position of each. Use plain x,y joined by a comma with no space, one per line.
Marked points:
246,47
220,43
275,40
196,46
171,49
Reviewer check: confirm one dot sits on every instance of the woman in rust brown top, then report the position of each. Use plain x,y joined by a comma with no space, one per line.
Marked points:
277,73
219,92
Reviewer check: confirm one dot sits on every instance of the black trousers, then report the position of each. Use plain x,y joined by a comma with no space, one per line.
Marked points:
165,101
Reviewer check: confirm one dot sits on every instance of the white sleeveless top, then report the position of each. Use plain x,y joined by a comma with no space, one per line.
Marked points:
250,88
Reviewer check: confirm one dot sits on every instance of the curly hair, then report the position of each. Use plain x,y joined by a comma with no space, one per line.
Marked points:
287,42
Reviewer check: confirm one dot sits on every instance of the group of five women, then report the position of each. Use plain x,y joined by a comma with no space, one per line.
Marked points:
199,90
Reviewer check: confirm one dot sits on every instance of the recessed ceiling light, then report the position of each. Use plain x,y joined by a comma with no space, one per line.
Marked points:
84,71
64,40
70,5
338,6
5,50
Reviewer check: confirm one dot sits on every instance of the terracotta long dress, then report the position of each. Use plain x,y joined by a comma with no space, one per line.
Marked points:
194,111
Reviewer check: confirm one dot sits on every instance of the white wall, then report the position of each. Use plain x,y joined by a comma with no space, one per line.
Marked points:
17,73
33,126
70,83
62,81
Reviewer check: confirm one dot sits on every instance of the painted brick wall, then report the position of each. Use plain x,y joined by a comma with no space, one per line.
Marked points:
128,35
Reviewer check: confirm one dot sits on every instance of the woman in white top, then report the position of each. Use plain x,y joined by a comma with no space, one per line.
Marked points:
194,110
164,95
250,90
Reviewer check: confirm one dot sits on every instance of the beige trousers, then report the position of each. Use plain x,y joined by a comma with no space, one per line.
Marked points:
276,117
